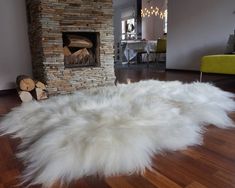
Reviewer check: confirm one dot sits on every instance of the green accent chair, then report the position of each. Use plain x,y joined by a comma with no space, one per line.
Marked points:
219,64
160,48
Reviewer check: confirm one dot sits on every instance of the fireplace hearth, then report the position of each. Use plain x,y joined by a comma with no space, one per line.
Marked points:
71,43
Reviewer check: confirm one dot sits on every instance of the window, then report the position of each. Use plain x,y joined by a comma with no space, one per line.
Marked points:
165,21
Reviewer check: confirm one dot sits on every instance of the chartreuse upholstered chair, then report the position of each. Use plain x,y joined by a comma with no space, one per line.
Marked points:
219,64
160,48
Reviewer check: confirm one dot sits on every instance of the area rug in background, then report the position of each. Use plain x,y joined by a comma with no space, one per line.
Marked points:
113,130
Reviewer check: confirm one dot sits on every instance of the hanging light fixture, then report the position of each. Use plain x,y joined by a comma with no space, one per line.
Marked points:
153,11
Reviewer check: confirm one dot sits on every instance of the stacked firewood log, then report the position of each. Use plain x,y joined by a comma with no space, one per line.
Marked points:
81,50
29,89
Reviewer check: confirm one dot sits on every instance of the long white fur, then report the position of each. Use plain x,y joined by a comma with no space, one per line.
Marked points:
113,130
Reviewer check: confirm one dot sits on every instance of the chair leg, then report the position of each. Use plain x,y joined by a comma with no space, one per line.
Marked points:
147,60
128,57
157,58
200,76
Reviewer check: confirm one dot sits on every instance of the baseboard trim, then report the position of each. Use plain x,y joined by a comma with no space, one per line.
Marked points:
180,70
7,92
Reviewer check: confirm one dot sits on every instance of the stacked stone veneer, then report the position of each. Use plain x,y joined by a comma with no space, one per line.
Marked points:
48,19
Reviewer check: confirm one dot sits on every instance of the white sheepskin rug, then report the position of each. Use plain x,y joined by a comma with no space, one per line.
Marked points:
113,130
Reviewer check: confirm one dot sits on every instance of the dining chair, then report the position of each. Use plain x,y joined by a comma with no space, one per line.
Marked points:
160,48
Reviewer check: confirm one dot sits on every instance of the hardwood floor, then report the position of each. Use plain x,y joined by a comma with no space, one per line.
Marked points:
211,165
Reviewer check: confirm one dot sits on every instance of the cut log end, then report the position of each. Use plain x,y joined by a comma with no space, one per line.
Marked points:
82,57
66,51
25,96
40,94
25,83
41,85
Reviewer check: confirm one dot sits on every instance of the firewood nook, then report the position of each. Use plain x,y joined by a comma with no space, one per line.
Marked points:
81,49
71,43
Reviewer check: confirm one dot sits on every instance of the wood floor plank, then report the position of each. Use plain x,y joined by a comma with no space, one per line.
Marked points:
5,149
210,158
80,184
159,180
171,170
10,178
224,149
139,182
196,185
195,172
95,182
117,182
226,177
223,135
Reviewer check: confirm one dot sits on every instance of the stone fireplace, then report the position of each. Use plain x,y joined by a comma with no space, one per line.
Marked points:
71,43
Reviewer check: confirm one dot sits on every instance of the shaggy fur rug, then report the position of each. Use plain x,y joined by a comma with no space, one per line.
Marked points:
113,130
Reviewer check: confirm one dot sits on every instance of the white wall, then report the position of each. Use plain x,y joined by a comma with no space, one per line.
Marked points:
197,28
152,27
14,46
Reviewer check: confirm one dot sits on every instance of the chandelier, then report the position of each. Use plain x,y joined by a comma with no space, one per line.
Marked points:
153,11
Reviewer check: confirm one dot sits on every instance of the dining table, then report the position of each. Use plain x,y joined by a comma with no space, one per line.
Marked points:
134,47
